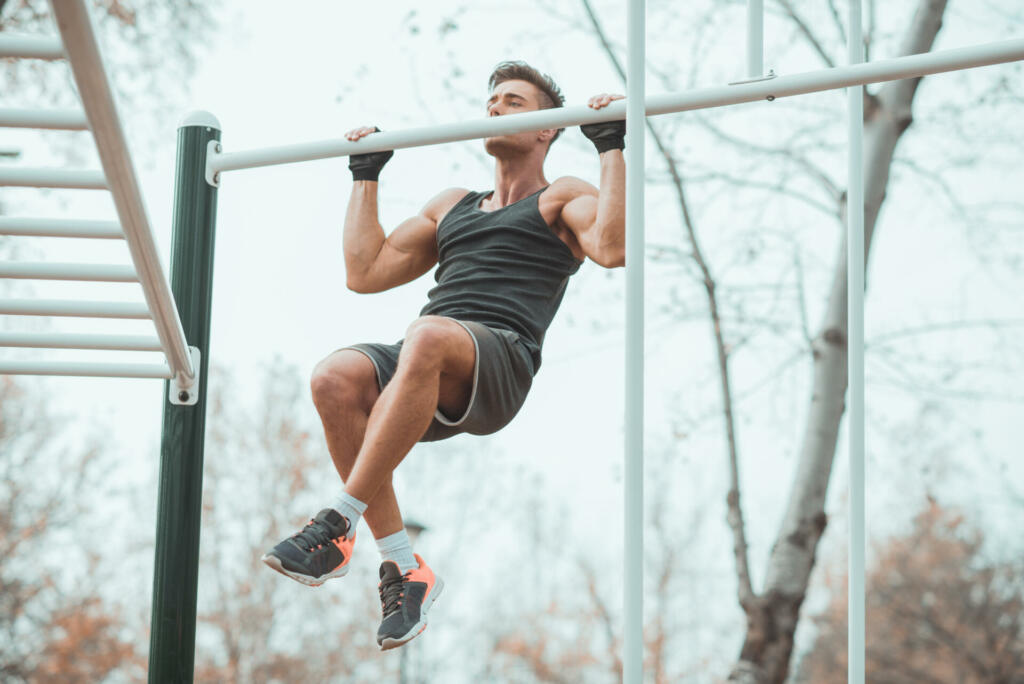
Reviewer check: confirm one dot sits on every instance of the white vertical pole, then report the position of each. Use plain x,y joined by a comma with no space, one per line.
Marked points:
855,355
755,38
634,410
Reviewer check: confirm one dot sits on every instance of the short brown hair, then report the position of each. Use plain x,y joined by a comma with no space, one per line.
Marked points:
551,94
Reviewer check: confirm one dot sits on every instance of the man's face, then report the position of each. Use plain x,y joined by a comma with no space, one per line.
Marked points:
511,97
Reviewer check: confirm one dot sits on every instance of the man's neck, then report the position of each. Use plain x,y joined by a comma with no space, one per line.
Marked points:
515,179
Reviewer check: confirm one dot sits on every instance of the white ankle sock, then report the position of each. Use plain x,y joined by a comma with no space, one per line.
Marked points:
350,507
396,547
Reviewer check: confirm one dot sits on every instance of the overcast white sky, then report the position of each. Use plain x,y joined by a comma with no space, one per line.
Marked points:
276,77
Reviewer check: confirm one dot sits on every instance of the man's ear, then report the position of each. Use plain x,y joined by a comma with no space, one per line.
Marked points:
547,134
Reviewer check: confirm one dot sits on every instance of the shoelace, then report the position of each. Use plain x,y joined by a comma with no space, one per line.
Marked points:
313,535
391,593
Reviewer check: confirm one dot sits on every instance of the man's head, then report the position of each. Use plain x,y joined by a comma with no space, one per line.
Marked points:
515,87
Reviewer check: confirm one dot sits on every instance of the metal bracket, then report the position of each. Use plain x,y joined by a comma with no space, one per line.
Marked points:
186,396
213,148
767,77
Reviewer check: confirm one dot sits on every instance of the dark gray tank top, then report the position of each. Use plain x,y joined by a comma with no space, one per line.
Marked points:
503,268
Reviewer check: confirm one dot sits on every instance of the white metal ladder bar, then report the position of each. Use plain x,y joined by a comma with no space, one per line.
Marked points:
30,47
33,270
77,308
80,341
75,27
25,177
56,119
63,228
88,369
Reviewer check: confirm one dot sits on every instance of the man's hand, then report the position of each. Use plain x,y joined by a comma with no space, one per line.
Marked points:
366,166
609,135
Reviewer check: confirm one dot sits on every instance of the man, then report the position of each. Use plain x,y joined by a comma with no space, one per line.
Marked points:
504,258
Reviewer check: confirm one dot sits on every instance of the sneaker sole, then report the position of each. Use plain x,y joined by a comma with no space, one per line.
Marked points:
389,643
275,563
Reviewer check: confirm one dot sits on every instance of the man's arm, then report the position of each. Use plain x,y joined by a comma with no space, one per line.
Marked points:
598,217
375,262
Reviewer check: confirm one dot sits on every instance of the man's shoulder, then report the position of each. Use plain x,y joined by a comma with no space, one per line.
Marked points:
570,187
561,192
441,203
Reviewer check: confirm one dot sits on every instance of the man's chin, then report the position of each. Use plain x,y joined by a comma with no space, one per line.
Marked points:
493,146
500,147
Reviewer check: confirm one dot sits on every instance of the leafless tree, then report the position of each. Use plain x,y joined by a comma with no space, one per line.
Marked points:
801,175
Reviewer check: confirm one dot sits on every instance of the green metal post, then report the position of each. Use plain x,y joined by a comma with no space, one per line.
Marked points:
176,570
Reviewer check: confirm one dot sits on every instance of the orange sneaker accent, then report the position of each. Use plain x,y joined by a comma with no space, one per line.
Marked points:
422,574
345,545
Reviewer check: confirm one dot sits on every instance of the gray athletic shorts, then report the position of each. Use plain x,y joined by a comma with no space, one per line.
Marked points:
502,376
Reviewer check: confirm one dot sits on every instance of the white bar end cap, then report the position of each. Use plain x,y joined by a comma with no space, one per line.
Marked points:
200,118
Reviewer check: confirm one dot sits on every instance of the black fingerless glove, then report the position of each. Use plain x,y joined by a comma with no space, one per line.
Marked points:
368,166
608,135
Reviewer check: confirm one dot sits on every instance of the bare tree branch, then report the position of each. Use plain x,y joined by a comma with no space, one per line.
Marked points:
941,183
901,377
990,323
805,29
798,268
830,186
840,26
605,616
768,377
778,188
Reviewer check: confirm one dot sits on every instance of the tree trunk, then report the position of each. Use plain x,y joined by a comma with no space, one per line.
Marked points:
772,616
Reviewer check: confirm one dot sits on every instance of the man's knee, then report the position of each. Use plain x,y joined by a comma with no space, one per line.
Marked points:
429,340
345,379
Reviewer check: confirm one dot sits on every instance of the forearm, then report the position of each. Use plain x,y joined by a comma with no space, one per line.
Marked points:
611,207
607,234
363,236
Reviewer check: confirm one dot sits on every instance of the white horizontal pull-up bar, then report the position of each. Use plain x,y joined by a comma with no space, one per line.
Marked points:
57,119
702,98
64,228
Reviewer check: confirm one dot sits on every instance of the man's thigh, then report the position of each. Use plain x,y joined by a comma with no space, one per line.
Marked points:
451,344
502,376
